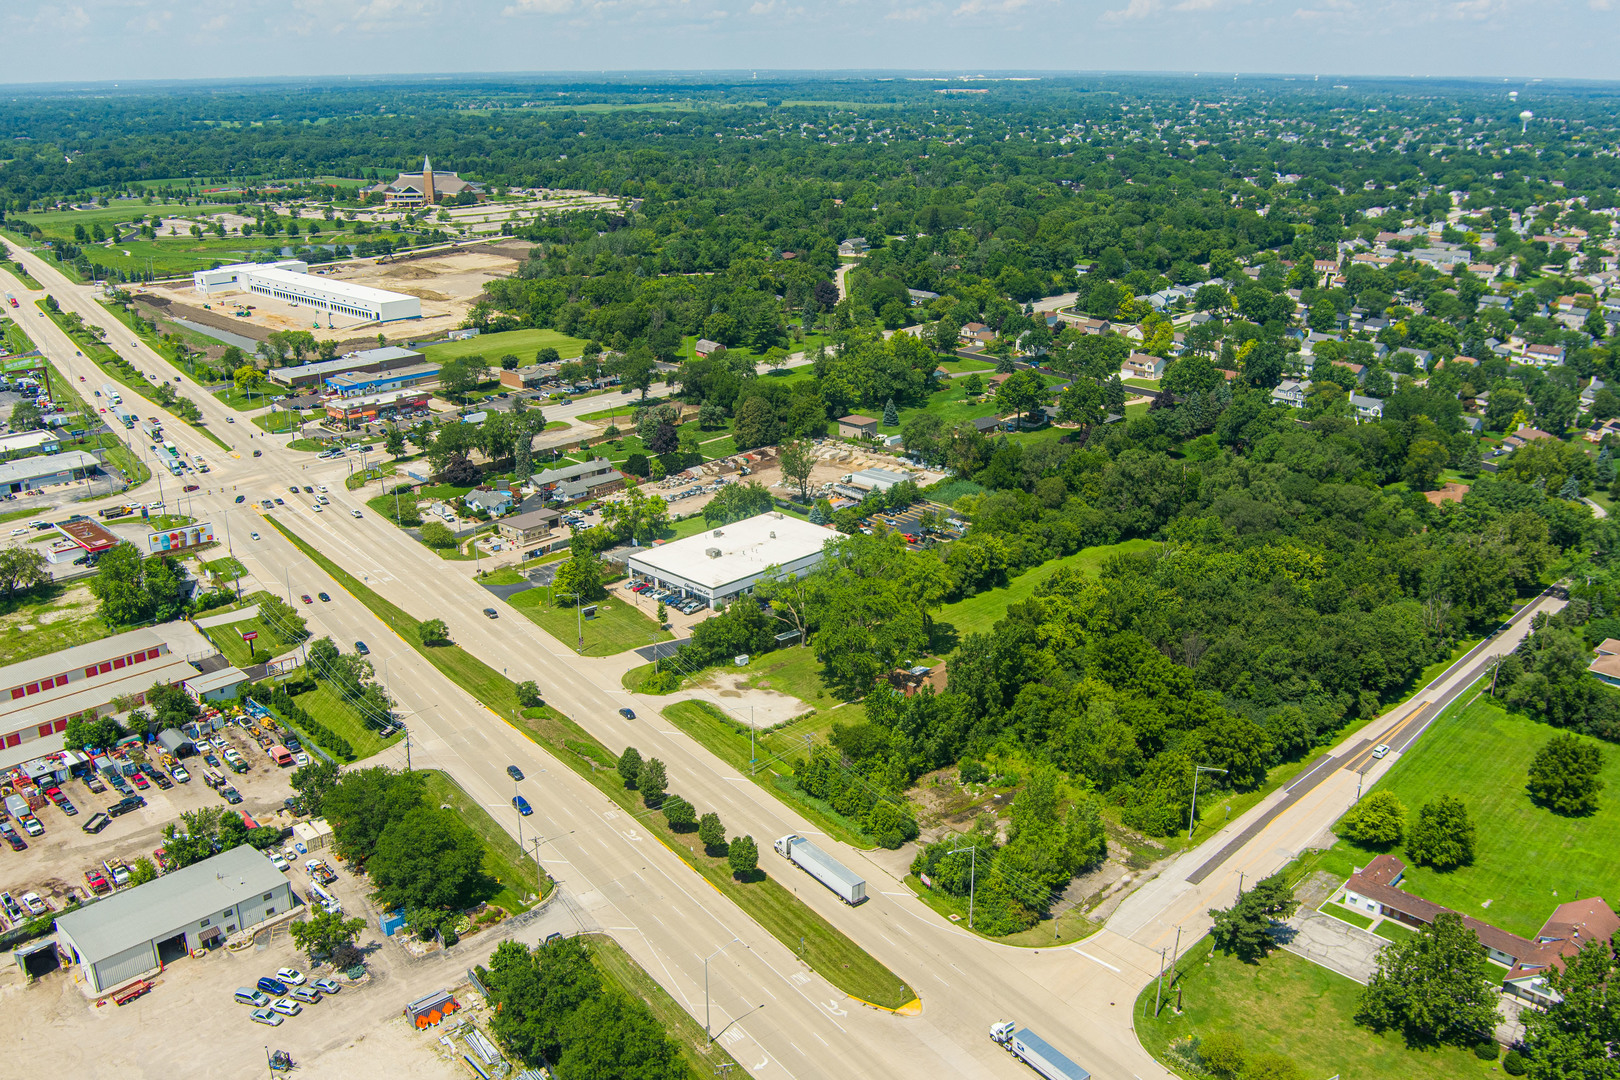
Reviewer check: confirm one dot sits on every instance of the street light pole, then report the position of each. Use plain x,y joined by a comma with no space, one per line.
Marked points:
1192,811
973,876
706,960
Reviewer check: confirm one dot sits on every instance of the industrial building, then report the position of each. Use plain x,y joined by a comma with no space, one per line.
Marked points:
358,383
38,696
26,443
722,563
290,282
137,931
37,472
314,376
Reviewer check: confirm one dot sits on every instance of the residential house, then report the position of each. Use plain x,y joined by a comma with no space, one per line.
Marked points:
855,245
491,501
578,480
1568,929
1544,355
1291,392
705,347
1607,664
986,424
856,426
1367,408
977,333
1143,366
1524,435
1590,392
531,530
921,296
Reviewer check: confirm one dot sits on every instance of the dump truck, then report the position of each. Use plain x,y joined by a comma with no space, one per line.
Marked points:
823,867
1036,1052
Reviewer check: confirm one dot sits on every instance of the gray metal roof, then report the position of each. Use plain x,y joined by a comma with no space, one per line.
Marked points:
156,909
574,470
25,469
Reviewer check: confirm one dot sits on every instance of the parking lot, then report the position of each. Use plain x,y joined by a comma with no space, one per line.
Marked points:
54,864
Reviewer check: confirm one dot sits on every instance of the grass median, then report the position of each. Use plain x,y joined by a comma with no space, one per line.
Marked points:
818,942
704,1058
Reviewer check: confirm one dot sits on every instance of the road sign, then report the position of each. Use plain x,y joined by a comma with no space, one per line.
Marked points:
250,635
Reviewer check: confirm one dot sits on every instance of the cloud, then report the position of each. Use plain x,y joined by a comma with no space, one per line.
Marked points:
989,7
63,17
539,7
1131,12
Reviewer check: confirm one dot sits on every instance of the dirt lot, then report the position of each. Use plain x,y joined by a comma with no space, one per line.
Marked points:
56,861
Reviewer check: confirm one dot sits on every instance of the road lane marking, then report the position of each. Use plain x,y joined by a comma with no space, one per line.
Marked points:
1094,960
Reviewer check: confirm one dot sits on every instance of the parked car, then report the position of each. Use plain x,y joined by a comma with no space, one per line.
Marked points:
291,976
97,822
96,881
273,987
31,825
265,1016
124,806
180,774
287,1007
230,795
326,986
140,781
305,995
277,861
12,909
33,903
252,997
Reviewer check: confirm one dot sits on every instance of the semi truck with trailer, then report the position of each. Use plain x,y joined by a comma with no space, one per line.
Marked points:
110,392
1036,1052
823,867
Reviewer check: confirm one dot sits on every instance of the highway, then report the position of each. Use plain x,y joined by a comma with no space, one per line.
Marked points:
788,1019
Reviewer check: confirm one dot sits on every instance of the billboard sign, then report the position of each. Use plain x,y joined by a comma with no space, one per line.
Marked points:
180,539
23,363
250,635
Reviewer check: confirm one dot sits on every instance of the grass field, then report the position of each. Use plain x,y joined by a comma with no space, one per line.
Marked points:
977,614
503,859
227,638
704,1057
1290,1006
328,706
1070,925
1344,914
1528,859
827,950
520,343
47,620
1390,930
226,567
617,626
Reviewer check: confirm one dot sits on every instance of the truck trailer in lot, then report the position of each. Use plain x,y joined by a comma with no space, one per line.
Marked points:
1036,1052
823,867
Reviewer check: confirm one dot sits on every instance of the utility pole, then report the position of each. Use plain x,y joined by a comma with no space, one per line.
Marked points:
1192,811
407,749
1158,995
973,876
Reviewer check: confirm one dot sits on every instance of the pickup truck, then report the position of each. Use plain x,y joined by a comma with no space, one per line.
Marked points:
318,870
124,806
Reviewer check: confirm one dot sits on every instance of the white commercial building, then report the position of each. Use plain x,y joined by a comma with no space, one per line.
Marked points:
136,932
289,282
719,564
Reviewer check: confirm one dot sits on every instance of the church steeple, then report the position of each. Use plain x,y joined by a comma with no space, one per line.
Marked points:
427,181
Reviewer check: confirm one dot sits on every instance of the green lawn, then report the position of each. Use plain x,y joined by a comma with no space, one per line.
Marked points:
283,421
1390,930
1344,914
329,707
1528,859
703,1056
520,343
1290,1006
977,614
15,337
47,620
617,626
227,638
503,859
822,946
247,402
227,568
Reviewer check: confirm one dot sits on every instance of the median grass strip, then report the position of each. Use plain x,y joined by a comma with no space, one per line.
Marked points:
818,942
503,859
704,1058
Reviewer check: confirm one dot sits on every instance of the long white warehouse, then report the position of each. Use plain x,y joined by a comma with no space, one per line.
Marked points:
288,281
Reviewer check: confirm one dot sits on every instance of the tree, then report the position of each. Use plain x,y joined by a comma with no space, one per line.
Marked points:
1245,927
313,782
133,590
711,832
756,424
1443,835
743,856
87,730
22,568
534,992
25,416
651,780
428,858
611,1036
891,415
364,801
680,814
1022,392
629,766
973,385
734,502
323,932
528,695
434,631
579,579
665,439
1575,1037
509,362
636,367
463,374
1432,986
437,535
1379,820
1564,775
248,378
1081,403
798,460
394,440
663,613
141,871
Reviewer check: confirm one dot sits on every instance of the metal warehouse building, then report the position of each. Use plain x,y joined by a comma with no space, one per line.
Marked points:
287,281
725,562
137,931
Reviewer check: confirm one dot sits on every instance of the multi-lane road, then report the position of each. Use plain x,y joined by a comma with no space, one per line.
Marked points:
785,1019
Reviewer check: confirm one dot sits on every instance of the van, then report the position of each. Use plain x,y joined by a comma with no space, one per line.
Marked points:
247,996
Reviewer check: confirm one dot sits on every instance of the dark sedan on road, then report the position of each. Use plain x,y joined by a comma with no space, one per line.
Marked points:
522,805
514,772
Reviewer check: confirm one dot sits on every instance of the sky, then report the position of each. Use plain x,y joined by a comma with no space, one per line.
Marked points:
85,41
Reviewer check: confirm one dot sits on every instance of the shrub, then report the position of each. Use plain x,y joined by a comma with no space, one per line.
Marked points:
1487,1050
1514,1064
1223,1054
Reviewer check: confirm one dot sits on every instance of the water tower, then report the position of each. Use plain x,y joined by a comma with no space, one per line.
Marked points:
1524,121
